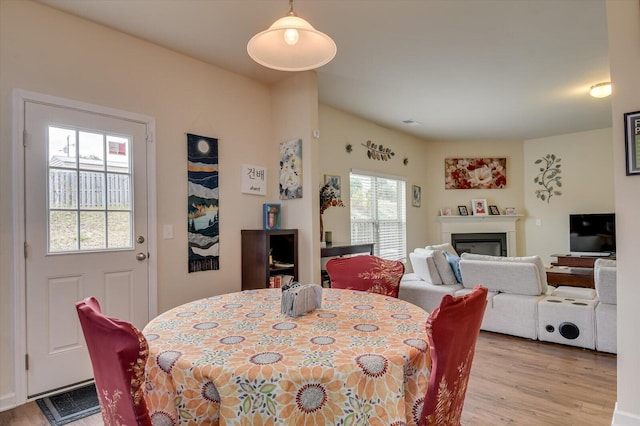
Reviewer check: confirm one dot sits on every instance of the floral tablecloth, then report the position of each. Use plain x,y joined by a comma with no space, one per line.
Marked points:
361,359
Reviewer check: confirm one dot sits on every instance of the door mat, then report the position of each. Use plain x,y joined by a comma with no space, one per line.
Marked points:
70,406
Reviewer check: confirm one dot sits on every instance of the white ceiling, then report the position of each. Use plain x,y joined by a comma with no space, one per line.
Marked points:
465,69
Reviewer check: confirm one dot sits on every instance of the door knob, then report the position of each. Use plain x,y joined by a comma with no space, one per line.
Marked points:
141,256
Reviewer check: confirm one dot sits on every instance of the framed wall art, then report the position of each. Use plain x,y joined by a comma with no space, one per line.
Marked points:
416,195
291,169
462,211
479,207
475,173
334,184
632,142
493,210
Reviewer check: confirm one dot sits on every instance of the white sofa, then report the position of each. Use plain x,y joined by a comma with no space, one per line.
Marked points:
606,311
515,284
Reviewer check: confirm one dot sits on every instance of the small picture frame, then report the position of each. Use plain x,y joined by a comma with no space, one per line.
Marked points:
445,212
416,195
271,216
334,183
493,210
509,211
632,142
462,211
479,207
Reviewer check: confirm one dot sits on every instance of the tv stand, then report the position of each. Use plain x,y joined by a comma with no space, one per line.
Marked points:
577,261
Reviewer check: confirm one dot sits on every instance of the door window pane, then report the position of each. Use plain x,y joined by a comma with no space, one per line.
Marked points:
92,186
119,195
91,151
92,231
119,230
63,189
63,232
62,147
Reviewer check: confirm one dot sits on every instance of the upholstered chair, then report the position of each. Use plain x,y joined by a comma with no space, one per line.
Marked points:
118,353
452,331
366,273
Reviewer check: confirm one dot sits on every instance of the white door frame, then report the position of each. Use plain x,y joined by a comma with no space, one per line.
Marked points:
18,199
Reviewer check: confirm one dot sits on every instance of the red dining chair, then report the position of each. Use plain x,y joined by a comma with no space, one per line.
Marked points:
452,331
366,273
118,353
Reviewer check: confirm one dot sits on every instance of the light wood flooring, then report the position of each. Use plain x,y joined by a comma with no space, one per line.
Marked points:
513,382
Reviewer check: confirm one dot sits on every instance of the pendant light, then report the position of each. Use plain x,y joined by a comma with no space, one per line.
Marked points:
291,44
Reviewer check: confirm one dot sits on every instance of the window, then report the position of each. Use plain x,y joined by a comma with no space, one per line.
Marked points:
89,191
378,214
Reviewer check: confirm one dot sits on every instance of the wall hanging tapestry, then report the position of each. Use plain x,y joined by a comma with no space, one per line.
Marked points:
475,173
291,169
204,232
548,177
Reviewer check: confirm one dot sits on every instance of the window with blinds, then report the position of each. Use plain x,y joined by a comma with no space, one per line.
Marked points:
378,214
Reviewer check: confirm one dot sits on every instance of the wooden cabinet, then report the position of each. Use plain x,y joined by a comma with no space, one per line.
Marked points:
257,264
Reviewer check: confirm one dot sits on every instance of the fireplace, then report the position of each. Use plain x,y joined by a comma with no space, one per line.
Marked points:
491,243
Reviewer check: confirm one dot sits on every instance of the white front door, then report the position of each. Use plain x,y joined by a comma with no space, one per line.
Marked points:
86,233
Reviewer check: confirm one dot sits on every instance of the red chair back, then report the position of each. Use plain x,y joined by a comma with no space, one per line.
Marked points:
366,273
118,353
452,331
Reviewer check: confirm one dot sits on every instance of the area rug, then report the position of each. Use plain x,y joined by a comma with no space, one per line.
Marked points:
70,406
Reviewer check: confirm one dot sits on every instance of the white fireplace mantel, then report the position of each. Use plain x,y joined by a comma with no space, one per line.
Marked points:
481,224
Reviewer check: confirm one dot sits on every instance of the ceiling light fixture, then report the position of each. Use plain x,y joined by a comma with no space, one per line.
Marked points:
600,90
291,44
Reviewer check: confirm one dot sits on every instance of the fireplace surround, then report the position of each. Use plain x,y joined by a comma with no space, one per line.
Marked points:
505,224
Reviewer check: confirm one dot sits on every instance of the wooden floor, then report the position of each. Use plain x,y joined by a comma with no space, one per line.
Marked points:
513,382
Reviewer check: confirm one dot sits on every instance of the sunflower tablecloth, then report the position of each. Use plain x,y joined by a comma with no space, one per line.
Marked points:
362,359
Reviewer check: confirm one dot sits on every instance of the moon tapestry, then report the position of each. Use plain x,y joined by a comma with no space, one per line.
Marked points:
204,232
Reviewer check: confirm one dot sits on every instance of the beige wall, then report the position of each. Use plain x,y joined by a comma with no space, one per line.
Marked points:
44,50
437,197
587,187
337,129
623,19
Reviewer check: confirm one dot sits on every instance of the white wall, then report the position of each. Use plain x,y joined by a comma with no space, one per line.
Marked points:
623,19
337,129
47,51
587,187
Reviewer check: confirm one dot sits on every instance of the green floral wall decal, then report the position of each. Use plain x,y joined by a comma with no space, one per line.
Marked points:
549,177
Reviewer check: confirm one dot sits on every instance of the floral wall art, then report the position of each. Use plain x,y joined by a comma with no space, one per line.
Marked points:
475,173
204,232
548,177
291,169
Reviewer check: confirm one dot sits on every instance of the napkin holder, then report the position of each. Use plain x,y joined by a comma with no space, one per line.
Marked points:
298,299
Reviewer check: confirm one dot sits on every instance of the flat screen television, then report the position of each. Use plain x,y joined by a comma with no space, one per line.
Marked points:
592,234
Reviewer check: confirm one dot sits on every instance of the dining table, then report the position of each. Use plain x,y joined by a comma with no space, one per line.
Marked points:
234,359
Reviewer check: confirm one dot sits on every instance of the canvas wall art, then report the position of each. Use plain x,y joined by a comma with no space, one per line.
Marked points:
475,173
203,203
291,169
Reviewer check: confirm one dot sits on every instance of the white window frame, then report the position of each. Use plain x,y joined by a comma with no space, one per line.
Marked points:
385,245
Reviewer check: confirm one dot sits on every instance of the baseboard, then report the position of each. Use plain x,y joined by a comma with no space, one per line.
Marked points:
7,402
621,418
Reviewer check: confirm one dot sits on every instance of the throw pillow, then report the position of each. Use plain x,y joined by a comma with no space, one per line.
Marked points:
443,267
424,267
454,261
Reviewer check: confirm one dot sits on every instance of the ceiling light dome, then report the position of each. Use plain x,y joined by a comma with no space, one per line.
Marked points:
291,44
600,90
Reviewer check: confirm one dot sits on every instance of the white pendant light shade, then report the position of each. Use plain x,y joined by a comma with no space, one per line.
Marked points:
291,44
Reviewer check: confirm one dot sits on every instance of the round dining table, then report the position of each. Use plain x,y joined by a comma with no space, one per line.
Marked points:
234,359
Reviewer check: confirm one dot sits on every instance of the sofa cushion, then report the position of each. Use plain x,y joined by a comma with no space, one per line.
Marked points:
574,292
424,266
446,247
454,261
604,271
444,268
536,260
